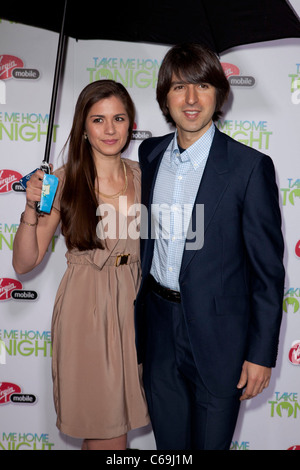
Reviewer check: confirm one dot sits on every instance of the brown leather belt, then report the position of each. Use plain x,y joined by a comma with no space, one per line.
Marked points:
164,292
112,260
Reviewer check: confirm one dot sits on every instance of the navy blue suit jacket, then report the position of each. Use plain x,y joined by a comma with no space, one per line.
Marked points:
231,288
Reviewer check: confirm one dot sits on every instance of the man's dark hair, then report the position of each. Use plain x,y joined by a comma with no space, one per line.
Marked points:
191,63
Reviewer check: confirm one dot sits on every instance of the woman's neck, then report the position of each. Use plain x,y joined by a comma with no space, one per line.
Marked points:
109,167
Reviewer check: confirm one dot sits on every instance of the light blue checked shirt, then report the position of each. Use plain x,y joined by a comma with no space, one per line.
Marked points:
176,187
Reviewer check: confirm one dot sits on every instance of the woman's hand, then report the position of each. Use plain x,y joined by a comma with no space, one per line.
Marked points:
34,188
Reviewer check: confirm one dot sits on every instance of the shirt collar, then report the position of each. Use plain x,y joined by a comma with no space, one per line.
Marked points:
196,153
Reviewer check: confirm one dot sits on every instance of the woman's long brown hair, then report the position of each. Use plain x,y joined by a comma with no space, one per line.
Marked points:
78,201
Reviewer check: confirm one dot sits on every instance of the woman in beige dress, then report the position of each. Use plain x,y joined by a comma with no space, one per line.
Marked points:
98,393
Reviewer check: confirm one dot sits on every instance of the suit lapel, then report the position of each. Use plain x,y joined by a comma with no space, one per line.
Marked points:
213,185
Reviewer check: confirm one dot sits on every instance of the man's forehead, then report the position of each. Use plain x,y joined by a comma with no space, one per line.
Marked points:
177,79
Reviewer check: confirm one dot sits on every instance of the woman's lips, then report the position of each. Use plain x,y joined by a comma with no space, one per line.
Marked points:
110,141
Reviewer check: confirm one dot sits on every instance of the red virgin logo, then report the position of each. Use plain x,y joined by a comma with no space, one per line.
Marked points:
8,285
294,354
7,64
6,390
230,69
7,179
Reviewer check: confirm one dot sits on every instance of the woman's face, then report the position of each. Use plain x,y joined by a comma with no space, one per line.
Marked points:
107,126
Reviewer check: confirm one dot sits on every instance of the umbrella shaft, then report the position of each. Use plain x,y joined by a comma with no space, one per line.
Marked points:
58,66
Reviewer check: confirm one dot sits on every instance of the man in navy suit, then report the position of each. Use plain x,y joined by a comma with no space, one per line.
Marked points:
209,310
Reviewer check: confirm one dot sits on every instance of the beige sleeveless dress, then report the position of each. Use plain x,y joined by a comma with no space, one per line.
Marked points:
98,392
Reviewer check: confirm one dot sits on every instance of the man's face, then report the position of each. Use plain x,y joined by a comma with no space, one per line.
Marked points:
192,107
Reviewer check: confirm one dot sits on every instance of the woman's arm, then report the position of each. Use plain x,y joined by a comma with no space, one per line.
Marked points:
34,233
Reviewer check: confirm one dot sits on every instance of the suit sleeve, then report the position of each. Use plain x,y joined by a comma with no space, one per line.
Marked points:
144,150
265,248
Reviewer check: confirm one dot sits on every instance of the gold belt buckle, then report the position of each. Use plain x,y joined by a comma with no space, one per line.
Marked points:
122,259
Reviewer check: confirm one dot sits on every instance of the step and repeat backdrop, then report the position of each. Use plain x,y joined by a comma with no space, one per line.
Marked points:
263,112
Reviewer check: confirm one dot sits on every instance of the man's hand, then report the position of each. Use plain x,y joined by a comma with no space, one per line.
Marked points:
255,378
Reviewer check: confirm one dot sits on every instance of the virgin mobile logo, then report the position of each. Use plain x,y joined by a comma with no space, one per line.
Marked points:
232,73
11,393
7,286
294,353
7,64
230,69
6,390
13,289
13,67
7,180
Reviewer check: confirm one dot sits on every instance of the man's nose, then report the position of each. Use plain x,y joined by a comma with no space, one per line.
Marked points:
191,94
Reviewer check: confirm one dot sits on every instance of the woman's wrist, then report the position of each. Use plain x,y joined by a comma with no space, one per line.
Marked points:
27,222
31,205
29,216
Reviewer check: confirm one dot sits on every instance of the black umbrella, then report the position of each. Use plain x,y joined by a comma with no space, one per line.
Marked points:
219,24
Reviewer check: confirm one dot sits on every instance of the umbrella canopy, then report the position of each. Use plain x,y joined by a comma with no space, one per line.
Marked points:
219,24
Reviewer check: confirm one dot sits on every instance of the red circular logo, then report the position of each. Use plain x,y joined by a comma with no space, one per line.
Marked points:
7,179
294,354
8,285
6,390
7,64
